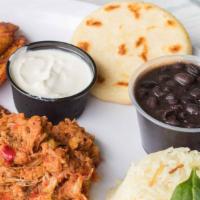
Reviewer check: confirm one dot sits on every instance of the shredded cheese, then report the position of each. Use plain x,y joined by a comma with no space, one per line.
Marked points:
157,175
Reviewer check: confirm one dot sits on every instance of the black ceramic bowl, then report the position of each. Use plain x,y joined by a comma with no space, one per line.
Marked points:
55,109
155,134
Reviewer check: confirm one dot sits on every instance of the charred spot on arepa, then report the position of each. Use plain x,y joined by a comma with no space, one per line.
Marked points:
100,79
122,83
170,22
94,22
135,9
140,41
143,55
111,7
84,45
148,6
122,49
175,48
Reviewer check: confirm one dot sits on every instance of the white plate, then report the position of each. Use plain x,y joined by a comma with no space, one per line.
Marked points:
114,126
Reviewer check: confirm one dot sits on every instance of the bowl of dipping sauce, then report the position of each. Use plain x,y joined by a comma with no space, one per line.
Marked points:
51,78
166,95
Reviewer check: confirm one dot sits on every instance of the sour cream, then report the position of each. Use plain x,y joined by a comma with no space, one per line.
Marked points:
50,73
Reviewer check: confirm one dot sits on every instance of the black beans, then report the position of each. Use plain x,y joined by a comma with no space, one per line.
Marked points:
184,78
171,83
186,99
166,88
163,77
171,99
169,116
177,107
149,84
195,92
182,115
173,121
171,94
142,92
151,102
192,109
157,91
193,70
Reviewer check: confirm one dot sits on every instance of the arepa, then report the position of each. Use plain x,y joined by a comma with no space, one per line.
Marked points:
157,175
120,36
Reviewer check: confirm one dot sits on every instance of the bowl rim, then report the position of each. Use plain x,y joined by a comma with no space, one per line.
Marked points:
159,62
55,45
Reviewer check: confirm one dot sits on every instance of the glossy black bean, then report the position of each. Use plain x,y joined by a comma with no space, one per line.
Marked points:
195,92
149,84
182,115
193,70
171,83
167,113
192,109
197,100
151,102
176,107
186,99
171,99
184,78
157,91
166,88
142,92
163,77
169,116
173,121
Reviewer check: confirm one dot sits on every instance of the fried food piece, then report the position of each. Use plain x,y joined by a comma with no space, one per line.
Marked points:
17,43
42,161
7,35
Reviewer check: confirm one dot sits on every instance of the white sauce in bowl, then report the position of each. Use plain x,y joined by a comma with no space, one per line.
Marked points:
49,73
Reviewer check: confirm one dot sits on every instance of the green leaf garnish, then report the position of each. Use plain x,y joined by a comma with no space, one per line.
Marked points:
188,190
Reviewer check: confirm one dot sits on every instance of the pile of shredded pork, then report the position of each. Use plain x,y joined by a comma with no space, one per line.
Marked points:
40,161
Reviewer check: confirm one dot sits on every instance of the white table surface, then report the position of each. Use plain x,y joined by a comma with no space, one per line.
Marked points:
160,2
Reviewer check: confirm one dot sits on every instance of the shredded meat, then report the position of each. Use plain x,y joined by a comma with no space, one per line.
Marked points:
39,161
